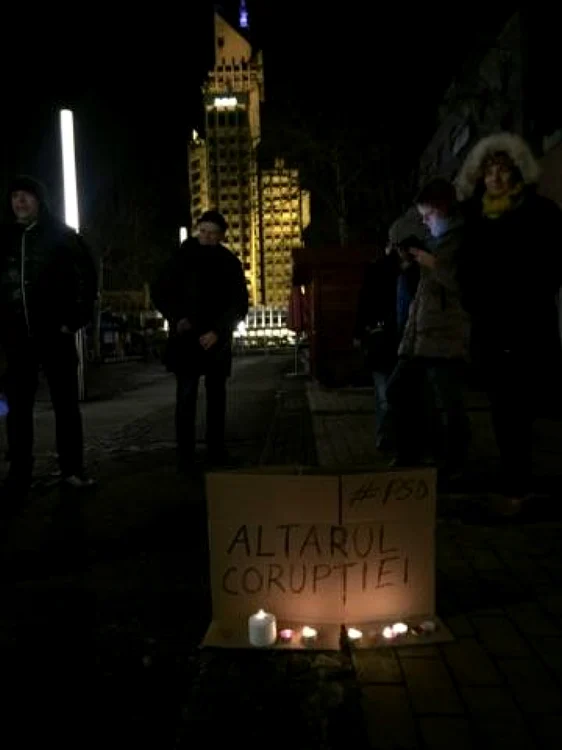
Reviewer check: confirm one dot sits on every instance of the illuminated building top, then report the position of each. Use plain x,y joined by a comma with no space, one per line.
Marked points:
244,18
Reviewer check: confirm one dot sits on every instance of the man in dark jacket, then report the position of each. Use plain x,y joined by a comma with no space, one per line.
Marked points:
202,293
48,287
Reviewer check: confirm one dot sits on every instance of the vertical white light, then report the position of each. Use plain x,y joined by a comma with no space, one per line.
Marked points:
183,234
71,218
69,169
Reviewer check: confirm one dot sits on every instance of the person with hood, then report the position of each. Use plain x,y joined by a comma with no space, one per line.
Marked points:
510,273
388,289
202,292
48,287
435,341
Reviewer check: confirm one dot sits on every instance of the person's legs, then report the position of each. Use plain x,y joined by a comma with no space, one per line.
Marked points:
186,413
445,382
60,364
509,387
381,407
405,400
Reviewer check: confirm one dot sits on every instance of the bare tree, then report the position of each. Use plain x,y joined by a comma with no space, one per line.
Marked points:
344,167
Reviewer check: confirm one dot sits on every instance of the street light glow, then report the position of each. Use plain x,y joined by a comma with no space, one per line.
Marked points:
69,169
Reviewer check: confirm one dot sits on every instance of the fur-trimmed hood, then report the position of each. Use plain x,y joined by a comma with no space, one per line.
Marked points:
513,145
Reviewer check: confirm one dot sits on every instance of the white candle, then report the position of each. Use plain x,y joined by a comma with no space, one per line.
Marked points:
262,629
428,626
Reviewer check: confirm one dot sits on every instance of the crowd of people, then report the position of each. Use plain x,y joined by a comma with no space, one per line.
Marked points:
473,279
473,282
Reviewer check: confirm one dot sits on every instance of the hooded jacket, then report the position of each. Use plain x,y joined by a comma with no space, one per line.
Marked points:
47,276
510,268
438,326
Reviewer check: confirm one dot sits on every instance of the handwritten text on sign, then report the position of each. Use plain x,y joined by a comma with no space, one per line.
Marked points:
359,557
325,548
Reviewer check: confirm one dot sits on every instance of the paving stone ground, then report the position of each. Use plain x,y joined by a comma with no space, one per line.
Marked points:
498,590
104,602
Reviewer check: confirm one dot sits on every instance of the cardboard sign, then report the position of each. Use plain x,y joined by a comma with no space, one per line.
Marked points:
321,549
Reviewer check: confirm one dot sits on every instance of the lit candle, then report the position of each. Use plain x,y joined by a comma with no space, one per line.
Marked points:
309,634
400,628
262,629
286,635
354,635
388,632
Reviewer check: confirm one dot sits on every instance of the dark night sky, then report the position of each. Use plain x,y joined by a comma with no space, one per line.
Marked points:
135,86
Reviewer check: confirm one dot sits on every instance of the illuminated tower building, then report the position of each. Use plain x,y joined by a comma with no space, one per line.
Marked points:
264,209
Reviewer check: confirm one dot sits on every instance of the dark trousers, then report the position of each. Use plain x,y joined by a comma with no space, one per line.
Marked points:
58,358
509,380
186,412
443,427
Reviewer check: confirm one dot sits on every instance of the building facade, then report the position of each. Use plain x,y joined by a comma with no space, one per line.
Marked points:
265,208
505,90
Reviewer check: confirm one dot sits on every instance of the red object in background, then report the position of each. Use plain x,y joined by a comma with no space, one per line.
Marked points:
298,317
334,278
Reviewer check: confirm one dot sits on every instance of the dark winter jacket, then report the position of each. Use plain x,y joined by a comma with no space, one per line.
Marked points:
206,285
47,278
386,290
511,266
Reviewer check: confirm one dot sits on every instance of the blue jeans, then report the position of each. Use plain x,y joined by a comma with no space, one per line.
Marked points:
186,412
382,435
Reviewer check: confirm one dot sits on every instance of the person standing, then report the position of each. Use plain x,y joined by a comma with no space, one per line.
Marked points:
202,292
434,346
510,273
48,287
389,286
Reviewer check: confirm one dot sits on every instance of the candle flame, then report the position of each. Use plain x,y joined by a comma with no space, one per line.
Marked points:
354,634
388,632
400,628
309,632
261,614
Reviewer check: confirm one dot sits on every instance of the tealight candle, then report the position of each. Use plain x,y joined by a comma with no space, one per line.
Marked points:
308,634
428,626
354,635
400,628
286,635
262,629
388,632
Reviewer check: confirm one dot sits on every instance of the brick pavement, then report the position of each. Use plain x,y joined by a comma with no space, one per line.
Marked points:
144,602
498,590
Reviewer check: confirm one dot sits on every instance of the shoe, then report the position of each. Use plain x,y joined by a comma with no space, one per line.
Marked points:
79,482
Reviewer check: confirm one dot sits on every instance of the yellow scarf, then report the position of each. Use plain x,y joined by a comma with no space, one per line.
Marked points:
495,206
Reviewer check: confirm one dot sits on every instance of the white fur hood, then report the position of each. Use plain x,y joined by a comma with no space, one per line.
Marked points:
511,144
